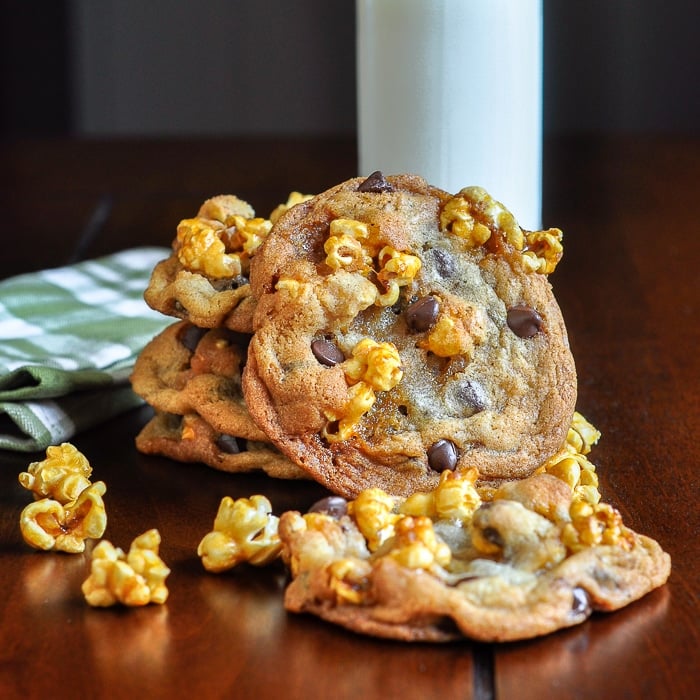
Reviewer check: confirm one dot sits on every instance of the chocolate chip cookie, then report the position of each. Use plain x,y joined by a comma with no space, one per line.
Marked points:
447,564
190,438
401,331
188,368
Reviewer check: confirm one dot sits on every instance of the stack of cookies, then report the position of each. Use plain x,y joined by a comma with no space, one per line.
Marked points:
191,372
376,334
401,346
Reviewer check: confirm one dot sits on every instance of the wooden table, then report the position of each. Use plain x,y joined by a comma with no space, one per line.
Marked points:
628,288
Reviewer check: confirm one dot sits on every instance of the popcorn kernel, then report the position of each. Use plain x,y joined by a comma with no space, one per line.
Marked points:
372,367
593,524
474,216
544,250
62,476
476,210
134,580
373,513
249,234
346,245
582,434
294,288
221,239
244,531
416,546
395,270
348,579
48,524
455,497
200,249
342,426
572,466
354,246
377,364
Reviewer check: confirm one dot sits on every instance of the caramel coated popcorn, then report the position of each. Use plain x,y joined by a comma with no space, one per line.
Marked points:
396,270
67,509
543,250
200,248
244,531
133,579
354,246
458,328
376,364
61,476
373,367
582,434
416,546
294,288
572,466
348,246
221,239
473,215
48,524
594,524
455,497
348,579
373,510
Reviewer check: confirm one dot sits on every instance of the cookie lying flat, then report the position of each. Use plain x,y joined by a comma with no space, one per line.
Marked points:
186,368
205,280
445,565
401,331
190,438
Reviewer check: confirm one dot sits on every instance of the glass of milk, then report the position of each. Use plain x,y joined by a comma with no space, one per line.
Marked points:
452,90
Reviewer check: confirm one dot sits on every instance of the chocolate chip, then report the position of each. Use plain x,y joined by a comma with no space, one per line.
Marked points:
326,352
448,627
421,315
335,506
376,182
470,394
190,336
445,264
581,604
524,321
442,456
493,536
231,445
173,421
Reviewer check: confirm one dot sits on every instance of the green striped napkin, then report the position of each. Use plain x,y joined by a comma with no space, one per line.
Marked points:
69,338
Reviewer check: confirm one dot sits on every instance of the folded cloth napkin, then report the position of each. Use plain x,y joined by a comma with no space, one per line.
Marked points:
69,337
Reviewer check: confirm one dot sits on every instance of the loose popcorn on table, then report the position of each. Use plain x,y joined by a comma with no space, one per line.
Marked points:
244,531
61,476
50,525
67,509
134,579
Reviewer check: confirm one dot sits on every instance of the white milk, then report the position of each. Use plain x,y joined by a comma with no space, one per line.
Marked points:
452,90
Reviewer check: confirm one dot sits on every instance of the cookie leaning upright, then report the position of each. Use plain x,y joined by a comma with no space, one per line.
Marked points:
400,331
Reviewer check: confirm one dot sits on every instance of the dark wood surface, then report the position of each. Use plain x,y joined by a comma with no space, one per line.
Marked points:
628,288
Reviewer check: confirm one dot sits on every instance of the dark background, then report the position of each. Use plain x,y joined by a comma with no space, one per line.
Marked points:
102,68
